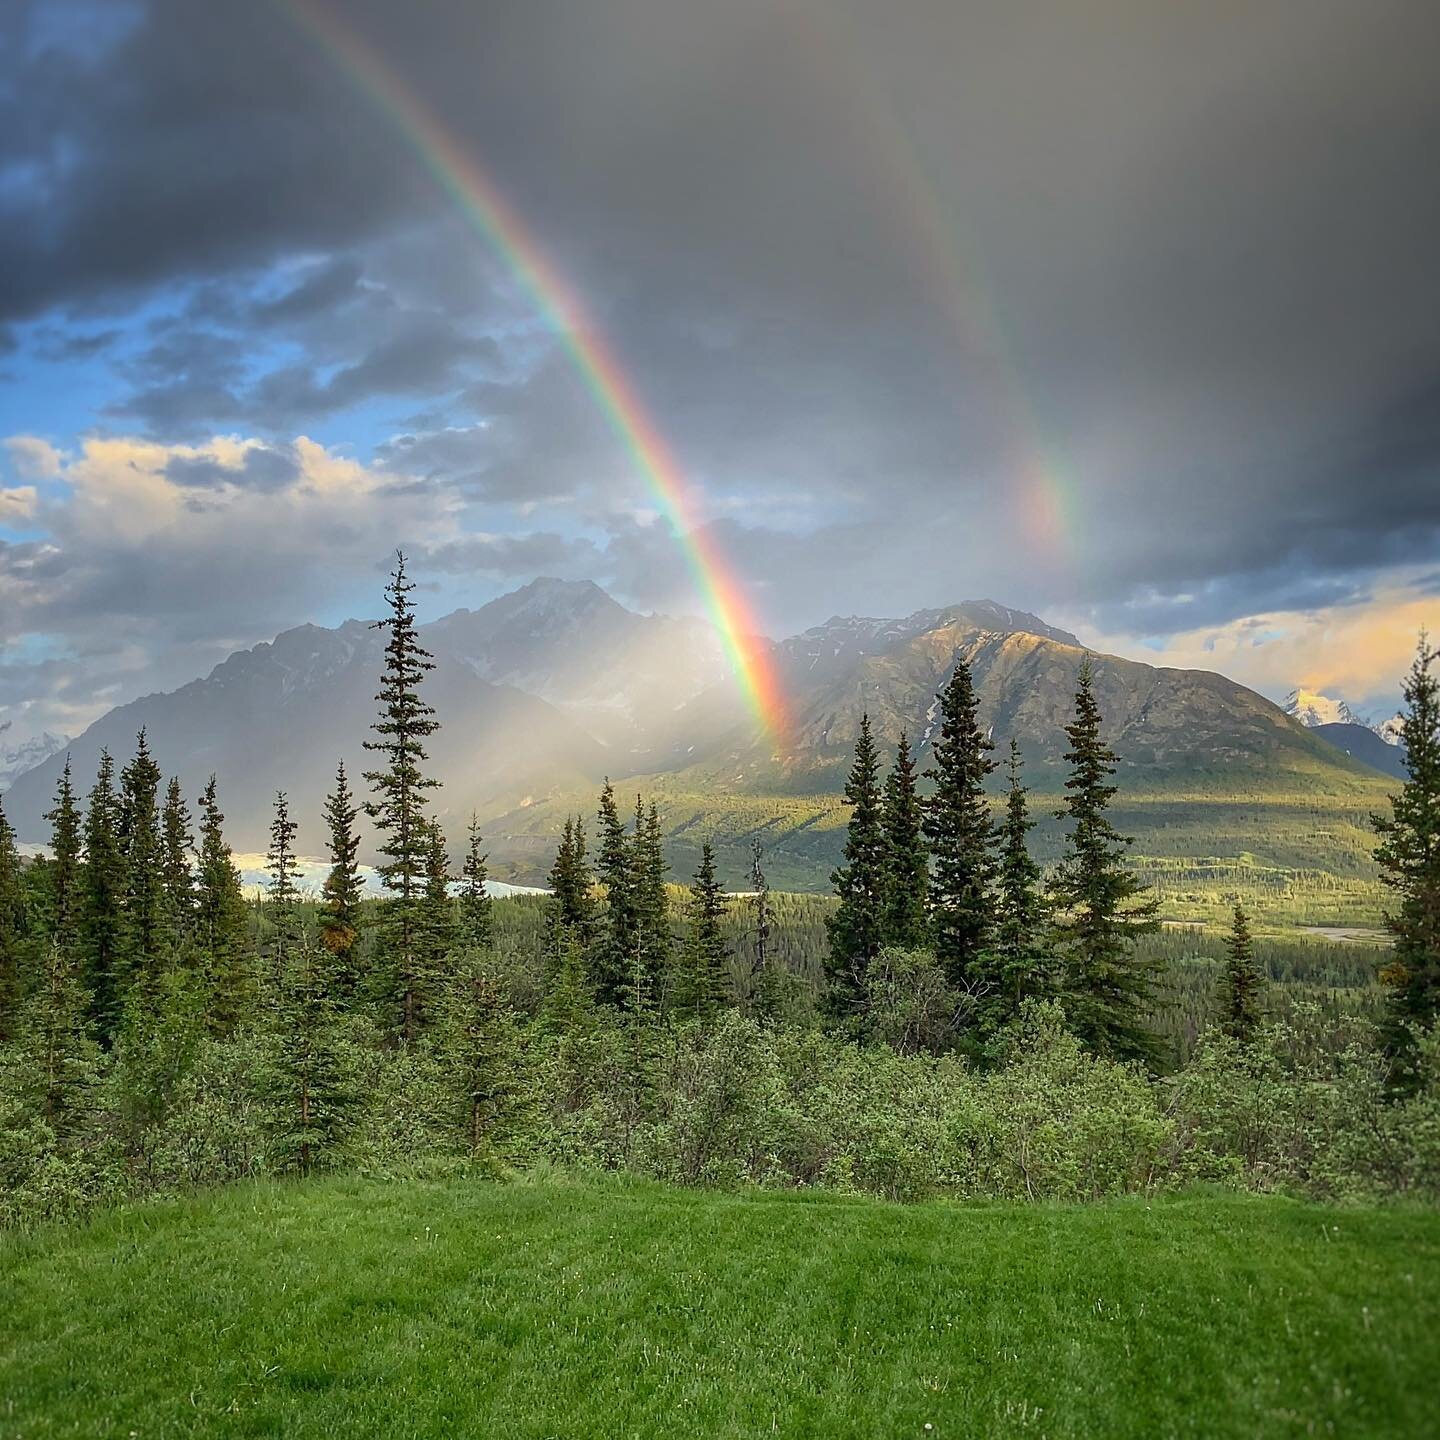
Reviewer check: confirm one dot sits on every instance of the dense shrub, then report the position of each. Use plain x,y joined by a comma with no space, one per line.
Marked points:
739,1102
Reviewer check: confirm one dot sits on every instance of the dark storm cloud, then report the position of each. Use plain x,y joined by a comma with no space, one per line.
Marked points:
262,469
874,268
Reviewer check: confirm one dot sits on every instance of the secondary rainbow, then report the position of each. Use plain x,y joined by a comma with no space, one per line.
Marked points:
491,214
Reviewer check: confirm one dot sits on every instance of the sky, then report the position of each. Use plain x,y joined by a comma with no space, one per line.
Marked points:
1127,315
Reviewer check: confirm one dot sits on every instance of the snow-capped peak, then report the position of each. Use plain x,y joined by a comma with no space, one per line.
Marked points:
18,756
1312,709
1390,730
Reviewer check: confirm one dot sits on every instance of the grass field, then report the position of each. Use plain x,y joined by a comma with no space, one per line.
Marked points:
561,1309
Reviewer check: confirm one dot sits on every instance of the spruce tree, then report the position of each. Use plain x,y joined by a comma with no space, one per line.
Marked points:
765,979
58,1063
282,901
222,930
958,826
13,927
1020,956
436,933
148,944
480,1056
570,882
65,871
1409,856
705,977
653,958
1242,993
177,844
857,927
568,995
476,918
1099,903
309,1079
618,940
400,793
907,866
341,893
102,922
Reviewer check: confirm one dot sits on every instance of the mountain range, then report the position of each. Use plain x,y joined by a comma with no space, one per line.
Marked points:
545,691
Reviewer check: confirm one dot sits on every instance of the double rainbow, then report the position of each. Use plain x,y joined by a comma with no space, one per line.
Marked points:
485,207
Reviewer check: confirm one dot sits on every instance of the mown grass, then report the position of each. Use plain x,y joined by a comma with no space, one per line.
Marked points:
466,1308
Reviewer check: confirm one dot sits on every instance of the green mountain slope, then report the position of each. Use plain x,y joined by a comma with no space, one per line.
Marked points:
1227,796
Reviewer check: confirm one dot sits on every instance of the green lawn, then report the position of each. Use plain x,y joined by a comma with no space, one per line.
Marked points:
552,1309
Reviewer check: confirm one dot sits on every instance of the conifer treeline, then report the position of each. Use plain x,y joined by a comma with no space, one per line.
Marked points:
938,875
132,940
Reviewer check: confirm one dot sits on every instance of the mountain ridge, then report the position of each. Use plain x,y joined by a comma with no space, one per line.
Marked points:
544,691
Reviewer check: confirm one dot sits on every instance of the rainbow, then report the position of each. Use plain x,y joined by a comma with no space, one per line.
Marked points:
491,215
1044,492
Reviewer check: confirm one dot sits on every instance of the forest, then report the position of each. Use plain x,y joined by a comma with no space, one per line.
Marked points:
959,1019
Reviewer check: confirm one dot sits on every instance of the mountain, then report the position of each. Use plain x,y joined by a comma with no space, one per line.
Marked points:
18,756
279,716
1361,742
1313,710
546,689
615,673
1164,723
1212,774
1391,731
543,692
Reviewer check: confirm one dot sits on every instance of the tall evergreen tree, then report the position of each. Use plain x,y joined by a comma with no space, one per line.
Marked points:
765,983
147,944
476,918
1020,956
1099,903
857,927
103,904
958,826
13,927
570,882
341,893
282,901
651,971
907,866
177,844
222,930
705,976
1243,987
1409,856
400,790
66,872
618,942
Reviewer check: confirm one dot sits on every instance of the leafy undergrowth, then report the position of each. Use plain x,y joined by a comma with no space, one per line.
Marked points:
568,1309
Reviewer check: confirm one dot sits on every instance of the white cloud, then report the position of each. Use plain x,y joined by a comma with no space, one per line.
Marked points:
1354,652
34,458
17,504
